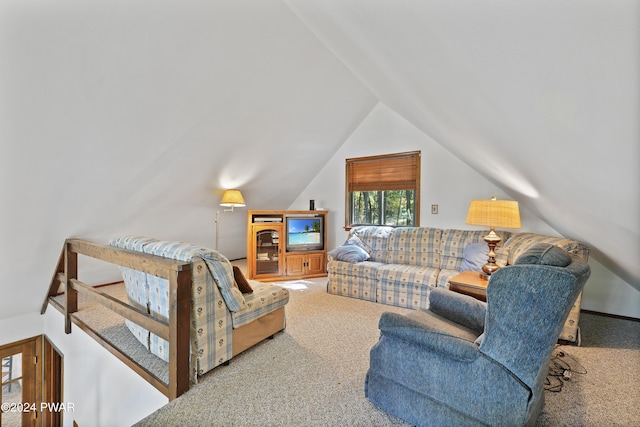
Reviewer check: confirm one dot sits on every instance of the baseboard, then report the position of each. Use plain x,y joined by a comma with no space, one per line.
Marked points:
615,316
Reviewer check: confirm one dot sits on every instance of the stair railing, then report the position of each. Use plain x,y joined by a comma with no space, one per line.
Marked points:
176,331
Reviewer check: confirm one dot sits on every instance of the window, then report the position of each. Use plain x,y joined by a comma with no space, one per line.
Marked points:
383,190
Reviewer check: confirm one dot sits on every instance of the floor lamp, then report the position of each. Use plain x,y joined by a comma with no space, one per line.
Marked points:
493,213
230,199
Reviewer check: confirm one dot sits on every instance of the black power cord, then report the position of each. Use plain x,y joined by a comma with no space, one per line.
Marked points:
561,368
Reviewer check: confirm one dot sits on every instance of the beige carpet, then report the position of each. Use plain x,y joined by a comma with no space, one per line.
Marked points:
312,374
609,393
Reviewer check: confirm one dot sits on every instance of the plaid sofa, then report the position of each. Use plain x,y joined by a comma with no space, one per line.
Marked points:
218,308
405,263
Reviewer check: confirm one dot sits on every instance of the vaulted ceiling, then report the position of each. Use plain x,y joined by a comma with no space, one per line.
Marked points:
541,97
120,116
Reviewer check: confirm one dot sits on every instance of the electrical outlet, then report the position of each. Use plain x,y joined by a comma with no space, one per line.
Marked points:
434,209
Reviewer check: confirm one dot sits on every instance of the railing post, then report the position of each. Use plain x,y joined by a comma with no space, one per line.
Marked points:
179,331
55,281
70,295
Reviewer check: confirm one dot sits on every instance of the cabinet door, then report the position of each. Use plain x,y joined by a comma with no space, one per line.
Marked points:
315,264
295,265
266,240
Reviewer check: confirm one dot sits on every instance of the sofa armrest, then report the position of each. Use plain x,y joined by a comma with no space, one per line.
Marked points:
459,308
427,336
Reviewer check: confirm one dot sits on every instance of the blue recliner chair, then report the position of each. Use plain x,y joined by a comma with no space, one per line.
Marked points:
465,362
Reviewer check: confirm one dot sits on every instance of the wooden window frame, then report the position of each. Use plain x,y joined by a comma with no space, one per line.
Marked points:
397,171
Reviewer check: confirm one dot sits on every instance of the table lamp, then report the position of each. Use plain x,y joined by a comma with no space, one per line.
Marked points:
493,214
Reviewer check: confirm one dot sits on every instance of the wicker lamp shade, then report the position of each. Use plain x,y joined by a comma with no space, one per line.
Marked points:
494,213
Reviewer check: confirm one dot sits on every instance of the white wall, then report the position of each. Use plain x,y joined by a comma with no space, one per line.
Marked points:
607,293
451,184
384,132
104,391
20,327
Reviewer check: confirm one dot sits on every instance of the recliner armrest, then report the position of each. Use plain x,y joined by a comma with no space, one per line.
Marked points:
424,335
458,308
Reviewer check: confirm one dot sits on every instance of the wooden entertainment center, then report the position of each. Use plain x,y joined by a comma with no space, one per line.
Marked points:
286,244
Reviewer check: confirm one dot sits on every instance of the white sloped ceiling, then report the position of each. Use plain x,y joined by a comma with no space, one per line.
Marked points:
127,116
539,96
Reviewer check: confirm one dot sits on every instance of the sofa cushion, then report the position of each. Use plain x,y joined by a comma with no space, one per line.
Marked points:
544,254
349,253
444,276
418,246
408,274
366,269
264,299
404,285
352,286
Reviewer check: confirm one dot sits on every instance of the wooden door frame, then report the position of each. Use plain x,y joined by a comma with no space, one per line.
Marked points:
42,366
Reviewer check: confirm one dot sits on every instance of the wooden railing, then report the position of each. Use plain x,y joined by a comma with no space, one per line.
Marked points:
176,331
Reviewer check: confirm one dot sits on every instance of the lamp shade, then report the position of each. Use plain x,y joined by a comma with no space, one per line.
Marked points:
232,198
494,213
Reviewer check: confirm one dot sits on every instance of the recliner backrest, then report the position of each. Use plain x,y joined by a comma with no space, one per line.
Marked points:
527,305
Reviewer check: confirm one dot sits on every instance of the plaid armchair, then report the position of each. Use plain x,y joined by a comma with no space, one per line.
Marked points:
224,321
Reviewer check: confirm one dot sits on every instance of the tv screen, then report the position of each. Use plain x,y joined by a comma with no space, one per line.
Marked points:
305,233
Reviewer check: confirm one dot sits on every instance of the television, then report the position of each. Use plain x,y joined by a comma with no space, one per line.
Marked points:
304,232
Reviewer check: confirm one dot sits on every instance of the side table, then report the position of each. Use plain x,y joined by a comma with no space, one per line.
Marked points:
470,283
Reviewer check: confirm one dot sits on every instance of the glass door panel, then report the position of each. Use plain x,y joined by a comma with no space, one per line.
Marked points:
11,401
267,251
18,405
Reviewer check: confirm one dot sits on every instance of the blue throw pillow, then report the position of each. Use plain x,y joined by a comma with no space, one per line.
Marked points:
355,240
475,256
349,253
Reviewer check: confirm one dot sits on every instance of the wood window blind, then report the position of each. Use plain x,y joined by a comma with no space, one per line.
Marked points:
381,173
